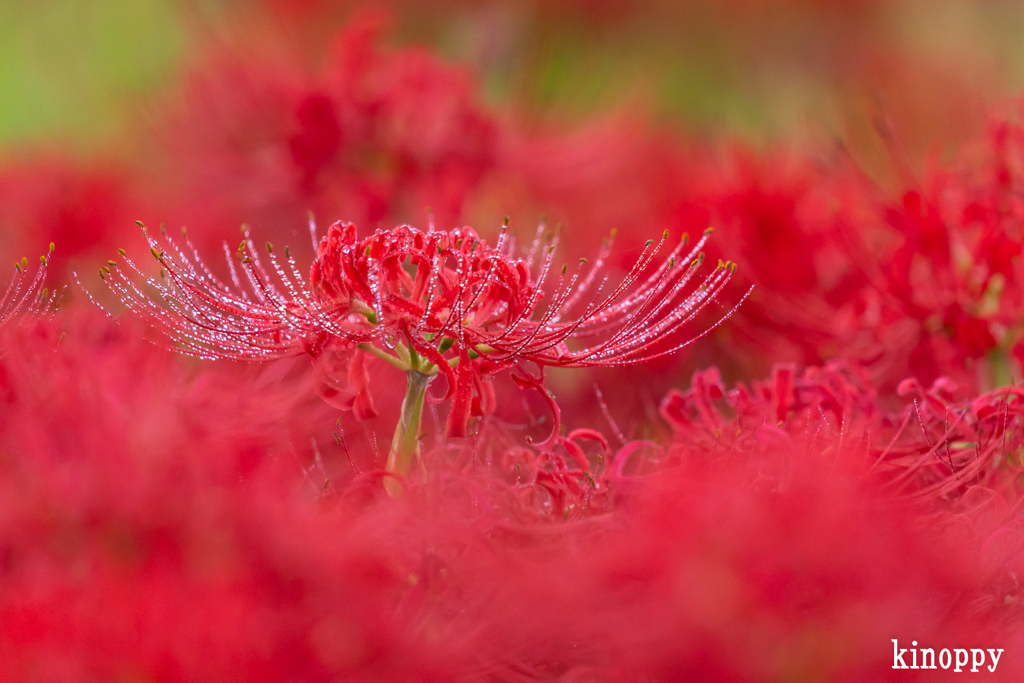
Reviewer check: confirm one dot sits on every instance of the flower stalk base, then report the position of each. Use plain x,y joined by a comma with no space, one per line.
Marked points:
405,446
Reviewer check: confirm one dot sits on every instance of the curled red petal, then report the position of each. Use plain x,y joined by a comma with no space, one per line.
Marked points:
458,416
782,376
528,381
591,435
484,401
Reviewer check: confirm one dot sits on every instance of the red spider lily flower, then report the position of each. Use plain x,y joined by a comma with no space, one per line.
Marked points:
939,445
953,279
430,303
787,219
820,410
923,281
24,295
956,443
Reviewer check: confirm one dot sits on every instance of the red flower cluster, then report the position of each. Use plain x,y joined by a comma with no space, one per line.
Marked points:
180,519
921,283
935,447
186,543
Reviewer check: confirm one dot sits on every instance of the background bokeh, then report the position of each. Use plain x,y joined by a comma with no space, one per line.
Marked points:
599,114
83,74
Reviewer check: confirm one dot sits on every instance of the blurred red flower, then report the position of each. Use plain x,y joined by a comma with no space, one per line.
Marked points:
378,136
185,543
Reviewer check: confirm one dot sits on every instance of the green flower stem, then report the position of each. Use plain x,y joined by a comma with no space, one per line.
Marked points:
386,357
405,446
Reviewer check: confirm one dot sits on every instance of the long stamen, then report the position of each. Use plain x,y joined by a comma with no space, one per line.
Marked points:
467,309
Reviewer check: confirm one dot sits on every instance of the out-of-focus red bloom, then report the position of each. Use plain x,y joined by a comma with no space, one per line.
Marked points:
379,135
46,198
621,171
957,273
731,572
926,285
950,444
156,523
934,448
817,411
791,223
467,573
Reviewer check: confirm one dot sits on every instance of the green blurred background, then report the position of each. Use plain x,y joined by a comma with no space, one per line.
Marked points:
81,73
